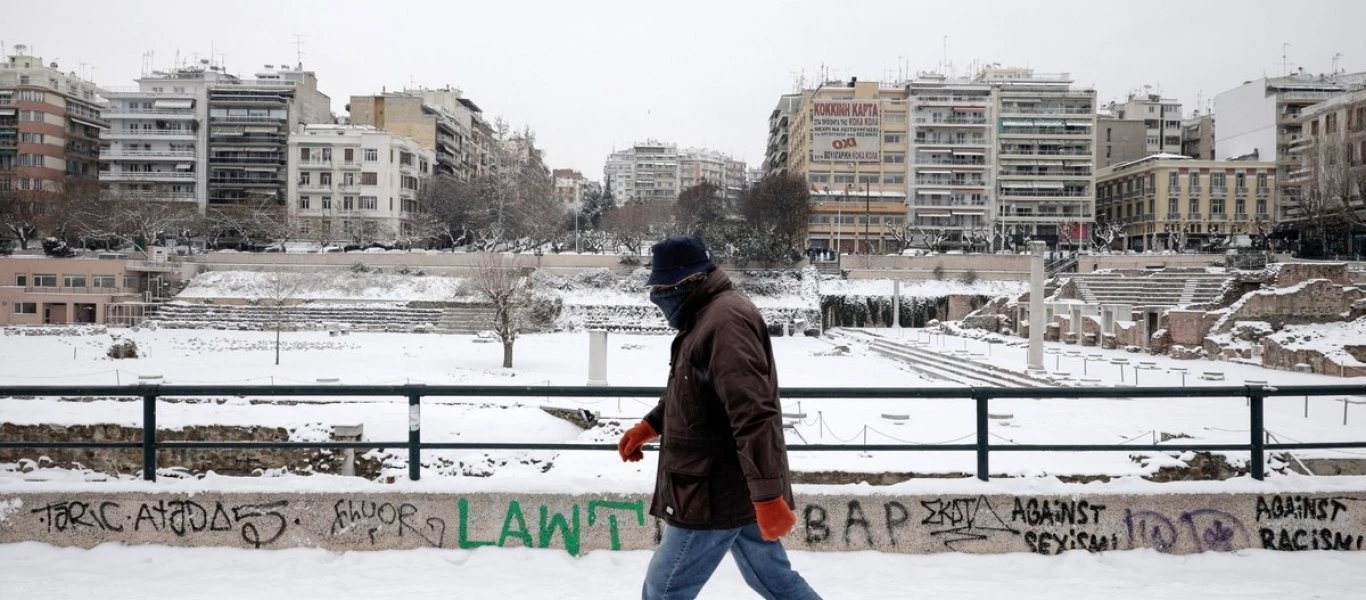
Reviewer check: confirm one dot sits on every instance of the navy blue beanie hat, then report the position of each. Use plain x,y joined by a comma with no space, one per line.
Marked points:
676,258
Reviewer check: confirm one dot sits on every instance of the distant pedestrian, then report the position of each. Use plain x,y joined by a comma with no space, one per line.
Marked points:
722,483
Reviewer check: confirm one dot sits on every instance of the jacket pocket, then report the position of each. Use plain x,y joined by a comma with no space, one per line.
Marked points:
687,493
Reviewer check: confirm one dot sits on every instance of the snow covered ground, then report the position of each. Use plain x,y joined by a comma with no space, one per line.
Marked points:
232,357
112,572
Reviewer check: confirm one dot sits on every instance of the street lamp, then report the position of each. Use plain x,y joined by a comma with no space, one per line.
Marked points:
867,241
826,189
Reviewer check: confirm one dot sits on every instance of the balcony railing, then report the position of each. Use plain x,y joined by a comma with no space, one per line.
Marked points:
315,163
1195,216
1218,192
137,133
1171,216
959,163
147,176
1195,190
1034,110
937,141
159,113
951,121
245,119
1219,216
950,182
174,154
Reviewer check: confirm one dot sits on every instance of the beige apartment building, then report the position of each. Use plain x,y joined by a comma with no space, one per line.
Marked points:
1119,141
850,142
38,290
441,120
1176,203
50,125
1332,153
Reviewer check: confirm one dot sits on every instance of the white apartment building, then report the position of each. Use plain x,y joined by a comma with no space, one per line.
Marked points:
1261,119
647,171
696,165
570,186
355,184
1008,150
779,124
198,134
1161,119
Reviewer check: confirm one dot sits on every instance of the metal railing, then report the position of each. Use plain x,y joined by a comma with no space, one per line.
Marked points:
1256,396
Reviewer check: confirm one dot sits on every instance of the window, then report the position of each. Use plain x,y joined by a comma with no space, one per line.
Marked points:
31,138
73,281
348,202
29,160
21,279
1216,180
1195,181
25,308
30,96
1240,206
1216,206
304,154
371,155
1172,208
348,179
369,203
303,202
103,281
349,155
44,280
1261,206
862,179
894,179
327,154
896,117
1240,181
369,178
893,138
1173,180
844,178
1261,181
305,178
327,203
130,282
1194,208
820,178
325,179
895,158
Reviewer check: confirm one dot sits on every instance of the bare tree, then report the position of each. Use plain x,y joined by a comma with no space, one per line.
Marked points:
982,236
1108,231
1325,195
505,284
632,225
21,214
933,239
280,289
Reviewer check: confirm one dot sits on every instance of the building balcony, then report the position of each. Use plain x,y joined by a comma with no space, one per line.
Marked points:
934,182
1263,217
1263,192
315,188
350,166
1218,192
146,155
1173,217
1218,216
1195,216
1195,190
974,164
935,141
950,100
147,176
407,193
8,143
241,161
1240,217
1045,110
169,114
244,182
315,163
137,134
951,121
246,119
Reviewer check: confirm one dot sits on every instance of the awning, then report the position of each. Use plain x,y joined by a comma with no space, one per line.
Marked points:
173,103
932,192
86,120
1049,185
261,129
967,153
935,172
1048,123
1016,123
933,215
8,111
1078,123
184,167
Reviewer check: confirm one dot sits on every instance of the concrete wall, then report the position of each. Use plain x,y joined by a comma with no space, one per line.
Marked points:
1091,262
1169,523
990,267
441,263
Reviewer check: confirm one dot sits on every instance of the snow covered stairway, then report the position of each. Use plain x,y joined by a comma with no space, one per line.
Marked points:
466,318
956,369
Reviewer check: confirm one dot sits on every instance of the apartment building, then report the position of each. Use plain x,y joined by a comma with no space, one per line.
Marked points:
442,120
779,124
1197,137
1119,141
647,171
849,140
50,124
1261,119
570,186
1170,202
1161,118
696,165
355,184
1333,154
199,134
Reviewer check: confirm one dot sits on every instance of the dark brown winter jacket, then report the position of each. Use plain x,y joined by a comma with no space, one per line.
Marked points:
720,422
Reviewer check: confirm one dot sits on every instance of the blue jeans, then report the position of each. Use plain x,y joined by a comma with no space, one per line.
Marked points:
686,559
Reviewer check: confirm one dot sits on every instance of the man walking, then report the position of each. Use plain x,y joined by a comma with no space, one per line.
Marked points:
723,483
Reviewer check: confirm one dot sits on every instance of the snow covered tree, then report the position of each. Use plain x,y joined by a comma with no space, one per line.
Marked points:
505,284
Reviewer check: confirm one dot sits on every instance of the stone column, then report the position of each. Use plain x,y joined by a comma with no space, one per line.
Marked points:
1036,310
597,357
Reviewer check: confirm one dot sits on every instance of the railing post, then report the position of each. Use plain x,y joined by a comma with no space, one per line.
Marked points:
983,461
1258,465
149,437
414,436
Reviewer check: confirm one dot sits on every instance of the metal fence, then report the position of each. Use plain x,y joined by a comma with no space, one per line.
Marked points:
414,393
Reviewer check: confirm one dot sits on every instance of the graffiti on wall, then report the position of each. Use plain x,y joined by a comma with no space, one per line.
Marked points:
256,524
1296,523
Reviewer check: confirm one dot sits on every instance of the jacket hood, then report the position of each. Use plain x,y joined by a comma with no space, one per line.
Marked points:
715,283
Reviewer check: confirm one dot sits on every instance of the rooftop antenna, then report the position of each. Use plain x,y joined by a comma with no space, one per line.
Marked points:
1285,65
299,50
1336,58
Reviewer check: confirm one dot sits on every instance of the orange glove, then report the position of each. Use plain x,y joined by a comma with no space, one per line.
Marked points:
775,518
633,440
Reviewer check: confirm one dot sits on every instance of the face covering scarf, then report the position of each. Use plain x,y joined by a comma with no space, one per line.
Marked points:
670,302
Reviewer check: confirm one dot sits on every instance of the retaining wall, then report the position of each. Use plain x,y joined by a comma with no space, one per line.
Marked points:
1170,523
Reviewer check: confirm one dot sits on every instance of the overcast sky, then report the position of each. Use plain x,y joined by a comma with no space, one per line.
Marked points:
590,75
